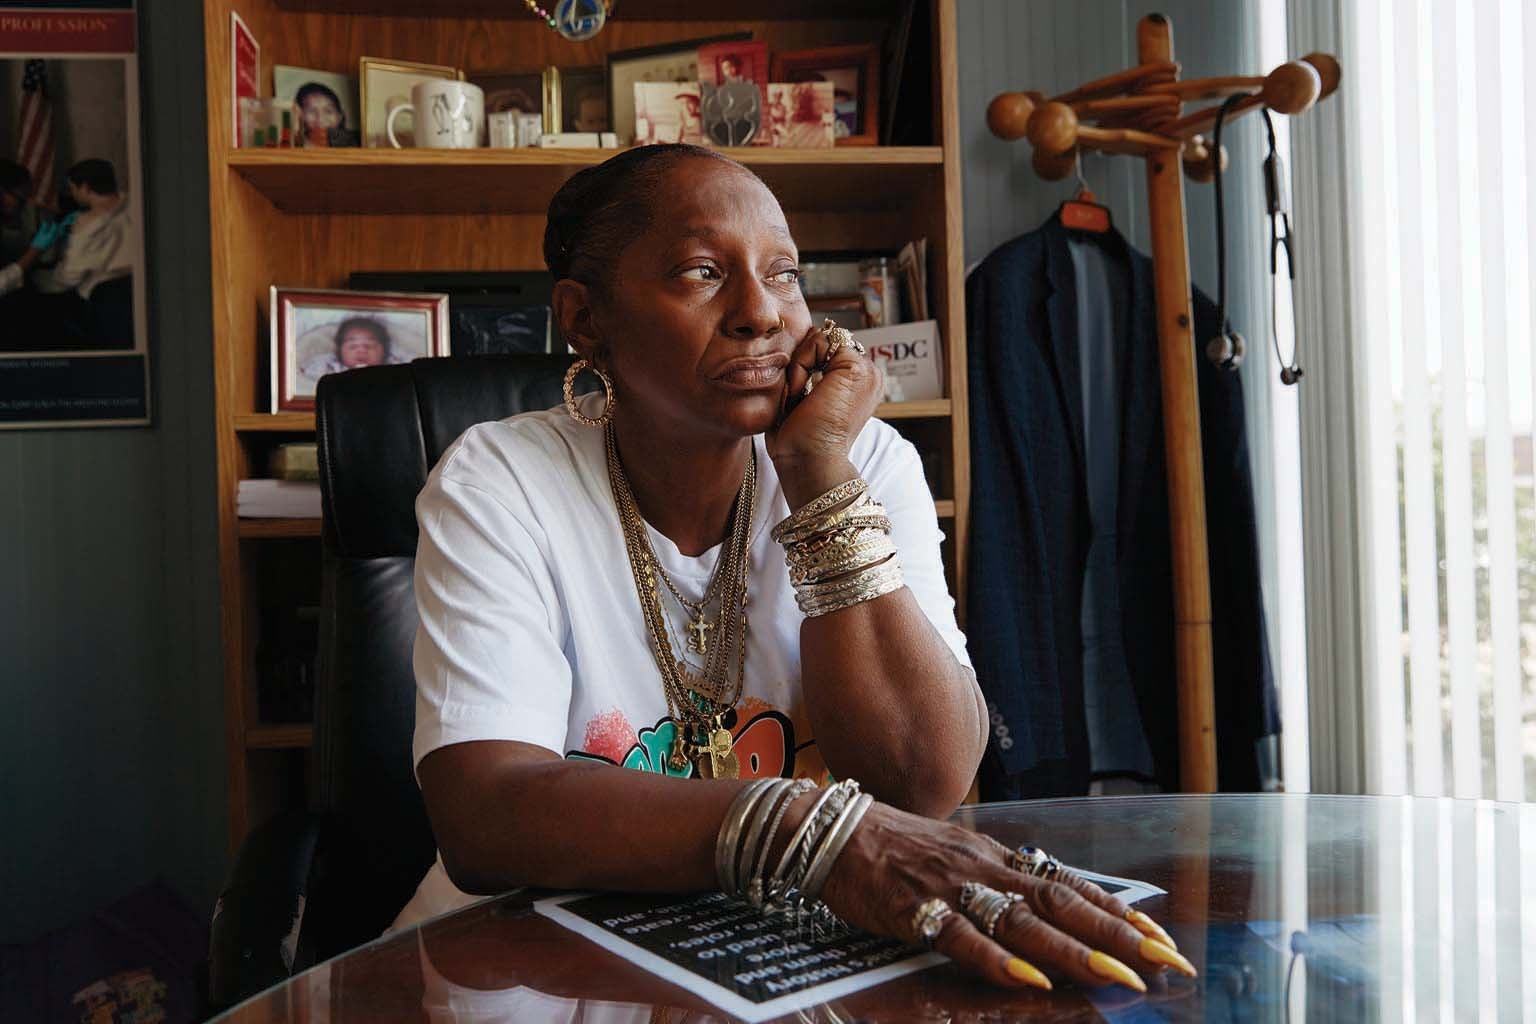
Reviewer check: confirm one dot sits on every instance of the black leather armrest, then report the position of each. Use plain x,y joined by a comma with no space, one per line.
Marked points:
254,940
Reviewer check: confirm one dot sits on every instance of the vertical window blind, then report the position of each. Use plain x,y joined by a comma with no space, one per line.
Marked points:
1443,241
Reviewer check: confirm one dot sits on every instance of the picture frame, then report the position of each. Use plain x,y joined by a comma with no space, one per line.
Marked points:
384,84
319,331
668,62
854,71
583,93
500,312
519,89
320,97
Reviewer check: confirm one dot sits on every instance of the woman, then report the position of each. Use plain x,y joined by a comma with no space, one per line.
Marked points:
583,582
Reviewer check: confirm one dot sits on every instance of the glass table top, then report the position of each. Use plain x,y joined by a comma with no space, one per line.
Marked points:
1292,907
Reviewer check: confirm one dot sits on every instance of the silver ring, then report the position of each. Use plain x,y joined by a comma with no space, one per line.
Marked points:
1031,860
928,920
985,905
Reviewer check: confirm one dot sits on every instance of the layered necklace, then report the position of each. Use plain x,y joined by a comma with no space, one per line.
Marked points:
697,699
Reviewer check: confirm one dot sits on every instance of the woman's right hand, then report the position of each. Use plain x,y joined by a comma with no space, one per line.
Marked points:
1069,928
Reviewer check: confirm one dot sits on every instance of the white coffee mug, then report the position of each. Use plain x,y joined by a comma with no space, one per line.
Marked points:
447,115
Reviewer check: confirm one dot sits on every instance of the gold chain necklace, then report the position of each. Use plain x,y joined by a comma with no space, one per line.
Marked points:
698,704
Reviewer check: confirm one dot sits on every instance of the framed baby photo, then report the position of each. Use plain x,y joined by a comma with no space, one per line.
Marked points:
325,104
854,72
670,62
315,332
386,84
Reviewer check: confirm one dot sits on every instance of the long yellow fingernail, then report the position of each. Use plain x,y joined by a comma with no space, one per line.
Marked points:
1028,973
1161,954
1106,966
1148,927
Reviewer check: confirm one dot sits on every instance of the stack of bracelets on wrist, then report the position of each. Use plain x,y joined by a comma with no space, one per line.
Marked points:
751,827
839,550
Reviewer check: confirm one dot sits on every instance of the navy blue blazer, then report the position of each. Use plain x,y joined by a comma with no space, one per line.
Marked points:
1030,529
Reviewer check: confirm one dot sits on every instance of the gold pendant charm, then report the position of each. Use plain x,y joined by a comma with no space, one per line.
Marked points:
698,635
718,760
679,759
691,680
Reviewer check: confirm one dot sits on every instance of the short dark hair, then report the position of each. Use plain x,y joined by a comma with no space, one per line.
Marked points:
601,209
309,89
96,175
15,178
364,323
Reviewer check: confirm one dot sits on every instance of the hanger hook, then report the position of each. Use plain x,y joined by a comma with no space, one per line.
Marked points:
1077,168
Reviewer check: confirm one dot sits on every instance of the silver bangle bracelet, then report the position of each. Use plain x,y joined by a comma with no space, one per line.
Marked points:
730,831
805,826
762,810
820,820
752,880
837,838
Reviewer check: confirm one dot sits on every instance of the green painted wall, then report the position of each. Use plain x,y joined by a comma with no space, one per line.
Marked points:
111,743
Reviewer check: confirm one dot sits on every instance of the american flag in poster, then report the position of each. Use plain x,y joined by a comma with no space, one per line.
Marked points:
36,134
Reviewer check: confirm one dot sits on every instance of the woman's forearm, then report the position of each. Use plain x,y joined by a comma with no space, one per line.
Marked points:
509,814
890,705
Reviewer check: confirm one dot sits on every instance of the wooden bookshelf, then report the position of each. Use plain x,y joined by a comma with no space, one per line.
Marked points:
500,181
310,218
256,529
295,736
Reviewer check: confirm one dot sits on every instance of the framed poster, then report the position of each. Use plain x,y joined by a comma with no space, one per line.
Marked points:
74,345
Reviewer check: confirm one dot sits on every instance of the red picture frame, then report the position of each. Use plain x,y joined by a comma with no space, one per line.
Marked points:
855,69
317,331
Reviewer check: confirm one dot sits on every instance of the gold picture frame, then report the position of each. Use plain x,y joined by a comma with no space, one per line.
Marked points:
403,74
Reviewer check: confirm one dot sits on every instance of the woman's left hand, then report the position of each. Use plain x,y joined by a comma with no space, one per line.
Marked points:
815,435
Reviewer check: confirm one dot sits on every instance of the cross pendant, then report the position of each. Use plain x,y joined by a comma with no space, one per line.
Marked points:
698,635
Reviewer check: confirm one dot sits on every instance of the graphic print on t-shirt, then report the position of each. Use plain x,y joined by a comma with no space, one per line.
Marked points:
764,742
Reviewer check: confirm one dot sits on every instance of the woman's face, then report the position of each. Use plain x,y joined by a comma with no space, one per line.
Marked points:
689,325
320,112
361,347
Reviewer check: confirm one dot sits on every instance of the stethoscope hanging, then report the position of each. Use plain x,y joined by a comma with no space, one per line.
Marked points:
1226,350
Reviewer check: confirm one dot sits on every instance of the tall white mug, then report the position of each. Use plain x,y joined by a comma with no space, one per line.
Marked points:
446,114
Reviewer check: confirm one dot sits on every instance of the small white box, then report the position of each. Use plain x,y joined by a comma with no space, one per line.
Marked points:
912,358
579,140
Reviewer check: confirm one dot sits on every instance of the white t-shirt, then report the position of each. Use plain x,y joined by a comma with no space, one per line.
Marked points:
531,628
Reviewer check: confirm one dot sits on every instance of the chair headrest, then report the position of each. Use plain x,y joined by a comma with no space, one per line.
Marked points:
381,429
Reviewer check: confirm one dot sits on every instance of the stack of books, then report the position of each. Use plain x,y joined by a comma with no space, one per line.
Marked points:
278,499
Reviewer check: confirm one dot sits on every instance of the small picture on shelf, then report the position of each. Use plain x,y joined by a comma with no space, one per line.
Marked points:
584,99
324,104
667,112
800,115
386,84
670,62
489,312
731,76
315,332
854,72
519,91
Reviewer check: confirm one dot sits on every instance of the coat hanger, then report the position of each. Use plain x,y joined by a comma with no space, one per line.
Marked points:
1082,212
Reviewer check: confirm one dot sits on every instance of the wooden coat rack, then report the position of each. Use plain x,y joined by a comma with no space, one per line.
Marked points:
1139,112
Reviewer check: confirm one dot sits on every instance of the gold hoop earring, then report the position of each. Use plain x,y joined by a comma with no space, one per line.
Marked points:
782,325
609,398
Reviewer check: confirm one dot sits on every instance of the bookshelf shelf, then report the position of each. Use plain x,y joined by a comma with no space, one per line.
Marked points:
288,736
258,529
511,181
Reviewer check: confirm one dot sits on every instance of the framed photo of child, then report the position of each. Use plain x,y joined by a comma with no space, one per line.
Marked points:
325,104
315,332
854,72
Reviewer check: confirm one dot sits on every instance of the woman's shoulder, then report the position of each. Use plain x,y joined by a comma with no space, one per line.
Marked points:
523,457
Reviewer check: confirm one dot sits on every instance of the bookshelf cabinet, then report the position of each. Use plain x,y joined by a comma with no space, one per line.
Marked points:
309,218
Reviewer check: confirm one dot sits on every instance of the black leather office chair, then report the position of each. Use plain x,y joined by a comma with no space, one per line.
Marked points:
309,885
